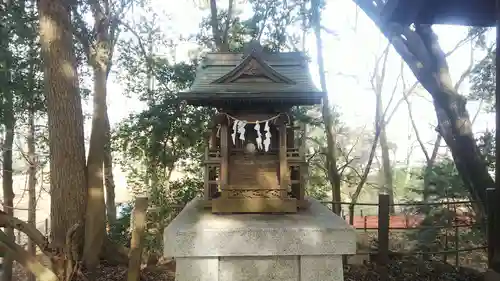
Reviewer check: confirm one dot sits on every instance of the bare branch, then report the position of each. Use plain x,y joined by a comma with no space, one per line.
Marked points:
435,150
479,108
81,31
414,126
366,171
263,27
329,31
144,52
347,164
28,261
34,234
468,38
376,78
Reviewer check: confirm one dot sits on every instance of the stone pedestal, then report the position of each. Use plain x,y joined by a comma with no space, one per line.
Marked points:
306,246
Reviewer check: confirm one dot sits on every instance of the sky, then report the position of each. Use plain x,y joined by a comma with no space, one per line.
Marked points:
349,61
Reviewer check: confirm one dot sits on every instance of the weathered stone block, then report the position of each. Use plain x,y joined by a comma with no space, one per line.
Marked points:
294,247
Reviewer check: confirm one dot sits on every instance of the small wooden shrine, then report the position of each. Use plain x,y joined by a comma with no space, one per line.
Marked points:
254,162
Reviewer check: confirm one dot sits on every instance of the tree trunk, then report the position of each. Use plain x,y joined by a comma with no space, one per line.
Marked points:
138,226
419,47
458,136
214,23
6,103
108,177
429,162
428,168
327,112
387,168
100,61
65,120
31,157
8,192
32,162
95,224
386,160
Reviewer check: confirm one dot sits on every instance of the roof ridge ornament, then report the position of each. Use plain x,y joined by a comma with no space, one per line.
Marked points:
253,47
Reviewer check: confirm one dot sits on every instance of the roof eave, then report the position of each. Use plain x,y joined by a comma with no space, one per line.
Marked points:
296,98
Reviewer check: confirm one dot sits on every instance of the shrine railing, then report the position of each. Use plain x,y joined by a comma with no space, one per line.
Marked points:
214,154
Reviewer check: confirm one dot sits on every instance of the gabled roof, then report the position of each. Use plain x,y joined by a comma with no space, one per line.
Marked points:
253,75
253,65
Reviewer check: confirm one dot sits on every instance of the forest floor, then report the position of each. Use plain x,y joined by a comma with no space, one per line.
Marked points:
410,269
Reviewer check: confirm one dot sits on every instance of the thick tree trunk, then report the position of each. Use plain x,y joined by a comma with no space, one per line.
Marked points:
327,112
64,109
31,182
468,159
465,152
108,177
8,192
6,102
99,53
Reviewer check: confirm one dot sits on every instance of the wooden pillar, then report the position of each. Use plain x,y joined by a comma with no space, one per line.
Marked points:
224,162
206,186
212,142
283,159
303,163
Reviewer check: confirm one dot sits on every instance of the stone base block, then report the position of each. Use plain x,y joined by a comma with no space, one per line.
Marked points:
305,246
278,268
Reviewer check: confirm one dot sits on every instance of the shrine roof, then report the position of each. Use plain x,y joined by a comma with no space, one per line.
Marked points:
456,12
253,75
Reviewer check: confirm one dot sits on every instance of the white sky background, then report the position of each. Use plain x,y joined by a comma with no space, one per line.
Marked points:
352,53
